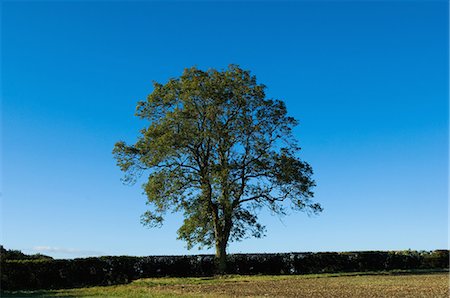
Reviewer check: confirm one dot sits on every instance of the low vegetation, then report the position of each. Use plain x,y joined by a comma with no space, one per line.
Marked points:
367,284
105,271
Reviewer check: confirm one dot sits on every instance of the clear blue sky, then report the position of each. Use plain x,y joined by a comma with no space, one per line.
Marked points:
367,80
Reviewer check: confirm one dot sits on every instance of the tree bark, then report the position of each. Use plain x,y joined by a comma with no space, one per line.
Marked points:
221,256
222,233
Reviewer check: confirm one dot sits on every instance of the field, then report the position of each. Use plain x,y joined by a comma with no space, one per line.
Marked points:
318,285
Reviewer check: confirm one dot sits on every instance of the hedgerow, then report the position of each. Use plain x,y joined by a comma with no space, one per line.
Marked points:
54,274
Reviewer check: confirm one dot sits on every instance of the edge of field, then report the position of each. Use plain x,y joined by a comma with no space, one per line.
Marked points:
157,287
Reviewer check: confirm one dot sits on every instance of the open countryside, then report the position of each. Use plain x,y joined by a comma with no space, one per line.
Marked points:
224,149
370,285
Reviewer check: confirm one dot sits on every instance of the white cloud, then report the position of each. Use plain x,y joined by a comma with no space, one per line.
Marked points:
66,251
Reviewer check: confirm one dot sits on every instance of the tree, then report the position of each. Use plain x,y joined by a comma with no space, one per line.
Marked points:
217,150
12,254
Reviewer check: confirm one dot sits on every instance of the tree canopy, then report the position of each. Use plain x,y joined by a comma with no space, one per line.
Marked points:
217,150
12,254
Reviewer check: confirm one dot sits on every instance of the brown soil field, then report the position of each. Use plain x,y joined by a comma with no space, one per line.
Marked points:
429,285
367,285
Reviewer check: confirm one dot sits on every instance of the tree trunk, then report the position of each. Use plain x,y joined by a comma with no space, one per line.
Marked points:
221,256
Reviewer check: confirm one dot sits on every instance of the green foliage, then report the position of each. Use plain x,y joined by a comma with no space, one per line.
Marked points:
10,254
217,150
54,274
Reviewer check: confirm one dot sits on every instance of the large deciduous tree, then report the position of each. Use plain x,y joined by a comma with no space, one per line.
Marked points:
217,150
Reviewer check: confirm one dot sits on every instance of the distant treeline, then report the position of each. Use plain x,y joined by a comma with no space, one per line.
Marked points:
29,274
11,254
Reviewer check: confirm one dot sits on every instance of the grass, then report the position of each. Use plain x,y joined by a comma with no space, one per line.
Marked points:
367,284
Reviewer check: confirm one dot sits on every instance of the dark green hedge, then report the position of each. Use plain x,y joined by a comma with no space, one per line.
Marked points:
53,274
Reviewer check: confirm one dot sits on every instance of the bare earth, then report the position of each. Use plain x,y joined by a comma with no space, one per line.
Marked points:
433,285
430,285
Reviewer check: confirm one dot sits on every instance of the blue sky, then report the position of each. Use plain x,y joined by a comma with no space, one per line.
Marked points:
367,80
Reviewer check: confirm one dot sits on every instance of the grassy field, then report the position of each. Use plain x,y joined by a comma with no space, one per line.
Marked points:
318,285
